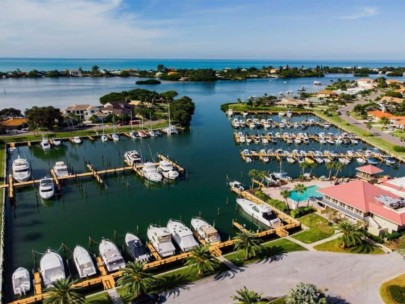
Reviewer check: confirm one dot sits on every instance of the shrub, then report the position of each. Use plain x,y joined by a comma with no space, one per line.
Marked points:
392,236
277,204
301,211
399,148
397,293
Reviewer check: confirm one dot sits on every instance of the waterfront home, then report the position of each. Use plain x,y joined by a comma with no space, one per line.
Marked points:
365,83
326,94
83,111
366,204
377,115
368,172
13,124
117,108
389,99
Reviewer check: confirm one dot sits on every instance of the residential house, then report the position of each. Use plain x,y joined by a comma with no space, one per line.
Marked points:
13,124
326,94
365,83
117,108
377,115
82,111
388,99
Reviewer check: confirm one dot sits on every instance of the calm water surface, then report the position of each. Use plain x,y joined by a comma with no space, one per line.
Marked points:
128,203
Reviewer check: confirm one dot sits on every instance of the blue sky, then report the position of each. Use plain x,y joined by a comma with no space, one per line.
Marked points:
249,29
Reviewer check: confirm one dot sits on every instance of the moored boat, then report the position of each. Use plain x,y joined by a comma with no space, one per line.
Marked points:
136,248
161,240
56,141
46,188
45,143
150,172
167,170
77,140
21,281
132,157
84,263
111,256
205,231
182,235
61,169
51,268
21,169
261,213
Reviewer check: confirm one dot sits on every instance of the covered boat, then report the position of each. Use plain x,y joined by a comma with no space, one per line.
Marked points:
161,240
51,268
84,263
136,248
21,281
205,231
111,256
182,235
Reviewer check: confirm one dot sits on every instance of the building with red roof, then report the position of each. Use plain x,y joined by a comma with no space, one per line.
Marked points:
362,202
368,172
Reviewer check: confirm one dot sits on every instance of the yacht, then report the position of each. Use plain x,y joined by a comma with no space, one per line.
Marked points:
390,161
150,172
132,157
56,141
237,185
261,213
51,268
21,281
372,161
21,169
61,169
182,235
77,140
84,263
235,123
111,256
361,160
205,231
136,248
46,188
161,240
45,143
167,170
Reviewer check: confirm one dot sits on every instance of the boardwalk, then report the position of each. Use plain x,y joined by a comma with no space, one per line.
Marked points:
353,277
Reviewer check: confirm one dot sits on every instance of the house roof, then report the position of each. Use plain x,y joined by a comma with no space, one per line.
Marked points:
291,101
369,169
363,196
364,80
326,92
379,114
392,99
14,122
78,107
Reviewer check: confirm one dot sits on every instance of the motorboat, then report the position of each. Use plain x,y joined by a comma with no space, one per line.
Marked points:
152,133
169,130
236,185
56,141
46,188
282,176
361,160
60,169
318,160
134,135
45,143
115,137
318,83
229,112
182,235
248,160
143,134
77,140
344,161
205,231
21,169
150,172
262,213
235,123
51,268
111,256
84,263
167,170
132,157
161,240
309,160
136,248
372,161
390,161
290,160
21,281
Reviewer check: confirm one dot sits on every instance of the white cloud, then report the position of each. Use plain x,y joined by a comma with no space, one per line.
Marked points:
78,28
361,13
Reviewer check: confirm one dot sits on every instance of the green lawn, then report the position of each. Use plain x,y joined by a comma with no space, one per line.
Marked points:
399,133
393,291
100,298
319,229
334,246
278,301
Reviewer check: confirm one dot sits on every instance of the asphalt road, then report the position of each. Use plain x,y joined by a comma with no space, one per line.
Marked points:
346,278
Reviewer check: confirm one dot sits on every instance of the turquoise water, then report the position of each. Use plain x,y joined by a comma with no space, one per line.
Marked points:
27,64
302,197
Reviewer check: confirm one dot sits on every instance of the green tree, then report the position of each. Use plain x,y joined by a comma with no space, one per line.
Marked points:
63,292
330,166
303,166
311,166
246,296
369,124
136,279
95,70
352,236
43,117
285,194
384,121
305,293
338,167
249,243
182,110
202,261
10,112
299,188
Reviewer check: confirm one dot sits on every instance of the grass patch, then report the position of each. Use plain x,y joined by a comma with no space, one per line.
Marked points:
334,246
393,291
278,301
319,229
100,298
399,133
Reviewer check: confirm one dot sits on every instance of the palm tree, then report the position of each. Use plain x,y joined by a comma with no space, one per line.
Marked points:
369,124
311,167
246,296
285,194
305,293
384,121
352,236
63,292
330,166
201,260
299,188
137,280
303,166
338,167
247,242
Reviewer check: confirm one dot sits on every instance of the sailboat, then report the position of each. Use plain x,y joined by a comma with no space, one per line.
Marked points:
114,136
104,138
169,130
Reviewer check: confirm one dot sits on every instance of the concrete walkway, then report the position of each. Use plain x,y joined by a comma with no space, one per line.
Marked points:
114,296
354,278
228,263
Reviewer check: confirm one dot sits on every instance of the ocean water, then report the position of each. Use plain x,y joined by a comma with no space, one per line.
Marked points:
28,64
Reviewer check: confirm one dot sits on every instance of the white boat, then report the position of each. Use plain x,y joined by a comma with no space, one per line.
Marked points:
344,161
46,188
61,169
51,268
248,159
205,231
56,142
84,263
104,138
289,114
167,170
161,240
134,135
317,83
262,213
115,137
182,235
361,161
111,256
237,185
169,130
229,112
136,248
290,160
132,157
21,281
45,143
77,140
21,169
150,172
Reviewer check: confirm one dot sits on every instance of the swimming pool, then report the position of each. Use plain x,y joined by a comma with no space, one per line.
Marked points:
309,191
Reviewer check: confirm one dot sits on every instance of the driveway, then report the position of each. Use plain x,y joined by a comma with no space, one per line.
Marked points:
350,277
